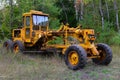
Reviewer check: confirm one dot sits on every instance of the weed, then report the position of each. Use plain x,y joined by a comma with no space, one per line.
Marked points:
38,67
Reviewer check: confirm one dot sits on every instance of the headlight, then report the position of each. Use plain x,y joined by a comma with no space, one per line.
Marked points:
92,37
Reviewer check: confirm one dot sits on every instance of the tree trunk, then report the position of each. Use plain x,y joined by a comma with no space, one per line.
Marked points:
101,13
79,8
82,9
11,12
76,9
93,5
93,12
116,12
107,9
64,12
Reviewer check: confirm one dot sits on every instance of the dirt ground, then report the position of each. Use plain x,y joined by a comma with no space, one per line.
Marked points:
39,67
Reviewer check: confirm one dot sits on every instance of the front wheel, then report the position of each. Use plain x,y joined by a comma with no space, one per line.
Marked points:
75,57
105,54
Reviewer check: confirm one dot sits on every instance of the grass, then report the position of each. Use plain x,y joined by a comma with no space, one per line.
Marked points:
39,67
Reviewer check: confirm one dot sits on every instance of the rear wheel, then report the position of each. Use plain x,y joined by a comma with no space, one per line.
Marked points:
75,57
18,47
8,45
105,54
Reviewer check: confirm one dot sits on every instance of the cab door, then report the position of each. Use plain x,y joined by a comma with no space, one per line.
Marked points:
27,29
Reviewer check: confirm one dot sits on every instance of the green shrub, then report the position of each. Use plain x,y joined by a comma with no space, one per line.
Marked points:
103,35
57,40
106,36
116,39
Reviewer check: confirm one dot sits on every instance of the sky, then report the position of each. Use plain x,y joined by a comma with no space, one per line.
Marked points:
2,3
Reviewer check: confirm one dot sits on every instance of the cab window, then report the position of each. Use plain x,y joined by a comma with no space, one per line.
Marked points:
39,20
28,21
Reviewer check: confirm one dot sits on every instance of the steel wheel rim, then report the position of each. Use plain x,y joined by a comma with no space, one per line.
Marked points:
73,58
16,48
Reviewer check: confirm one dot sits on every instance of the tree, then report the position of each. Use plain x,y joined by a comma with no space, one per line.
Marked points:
11,12
67,12
101,13
49,7
116,13
77,8
81,11
107,9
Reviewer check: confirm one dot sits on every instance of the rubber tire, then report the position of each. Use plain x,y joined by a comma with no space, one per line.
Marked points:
82,57
9,42
108,53
20,45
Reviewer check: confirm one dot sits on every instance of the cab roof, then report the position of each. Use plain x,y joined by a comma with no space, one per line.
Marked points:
35,12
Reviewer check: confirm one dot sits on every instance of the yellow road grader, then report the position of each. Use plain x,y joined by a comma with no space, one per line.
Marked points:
35,35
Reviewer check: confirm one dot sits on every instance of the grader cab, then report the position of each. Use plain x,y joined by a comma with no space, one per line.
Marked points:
34,36
34,23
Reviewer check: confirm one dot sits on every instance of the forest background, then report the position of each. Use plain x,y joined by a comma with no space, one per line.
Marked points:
101,15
